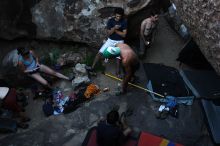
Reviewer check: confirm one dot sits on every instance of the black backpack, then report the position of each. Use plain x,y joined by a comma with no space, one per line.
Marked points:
48,108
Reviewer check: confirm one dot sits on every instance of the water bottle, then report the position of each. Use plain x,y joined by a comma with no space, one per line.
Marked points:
106,60
119,87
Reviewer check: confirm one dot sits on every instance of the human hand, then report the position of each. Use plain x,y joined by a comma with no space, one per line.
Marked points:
117,26
102,118
147,43
37,65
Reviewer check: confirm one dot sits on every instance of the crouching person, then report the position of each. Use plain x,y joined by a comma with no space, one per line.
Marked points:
129,59
112,131
9,101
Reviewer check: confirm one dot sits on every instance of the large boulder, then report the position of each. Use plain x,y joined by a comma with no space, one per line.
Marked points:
202,17
16,19
81,75
69,58
70,20
76,20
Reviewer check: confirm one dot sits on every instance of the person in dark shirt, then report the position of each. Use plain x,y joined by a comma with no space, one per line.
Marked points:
110,132
117,30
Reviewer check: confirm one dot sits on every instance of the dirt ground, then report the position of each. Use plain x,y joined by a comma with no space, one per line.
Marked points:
70,129
166,47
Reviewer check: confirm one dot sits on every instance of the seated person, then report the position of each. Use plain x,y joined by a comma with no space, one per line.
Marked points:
8,98
28,62
110,132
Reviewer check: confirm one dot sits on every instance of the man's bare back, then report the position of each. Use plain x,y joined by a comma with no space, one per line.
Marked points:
130,62
128,56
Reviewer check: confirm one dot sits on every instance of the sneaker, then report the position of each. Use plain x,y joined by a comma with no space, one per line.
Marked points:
129,112
119,76
23,125
92,73
71,78
118,93
89,68
26,119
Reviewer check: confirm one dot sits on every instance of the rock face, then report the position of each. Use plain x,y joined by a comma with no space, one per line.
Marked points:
16,19
81,75
203,19
69,58
79,21
70,20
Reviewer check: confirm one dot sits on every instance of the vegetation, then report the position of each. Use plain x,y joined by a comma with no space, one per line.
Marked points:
89,60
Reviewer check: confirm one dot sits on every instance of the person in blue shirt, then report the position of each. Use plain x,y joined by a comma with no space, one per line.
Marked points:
116,30
29,64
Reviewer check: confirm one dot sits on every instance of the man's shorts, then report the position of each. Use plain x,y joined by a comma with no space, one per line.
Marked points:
110,43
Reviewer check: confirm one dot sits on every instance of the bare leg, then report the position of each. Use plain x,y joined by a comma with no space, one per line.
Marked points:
48,70
97,58
118,68
40,79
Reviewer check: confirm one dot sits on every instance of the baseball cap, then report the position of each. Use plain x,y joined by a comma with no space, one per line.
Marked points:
111,52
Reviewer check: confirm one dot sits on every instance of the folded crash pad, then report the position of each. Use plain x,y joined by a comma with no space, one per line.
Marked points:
192,56
206,85
147,139
167,81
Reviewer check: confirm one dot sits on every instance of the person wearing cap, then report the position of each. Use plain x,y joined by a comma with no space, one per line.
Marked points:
129,59
116,30
29,64
148,26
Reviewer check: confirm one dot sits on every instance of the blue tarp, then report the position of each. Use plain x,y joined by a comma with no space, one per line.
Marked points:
187,100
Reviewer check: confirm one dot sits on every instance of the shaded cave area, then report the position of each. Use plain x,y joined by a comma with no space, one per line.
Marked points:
170,48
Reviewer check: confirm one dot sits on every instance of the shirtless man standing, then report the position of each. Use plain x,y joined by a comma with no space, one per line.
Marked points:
129,61
148,26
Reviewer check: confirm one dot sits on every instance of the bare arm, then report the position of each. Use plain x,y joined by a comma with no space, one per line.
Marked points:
121,33
21,66
97,58
142,30
35,56
111,31
145,25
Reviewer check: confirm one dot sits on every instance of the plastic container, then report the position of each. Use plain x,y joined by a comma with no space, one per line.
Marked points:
106,89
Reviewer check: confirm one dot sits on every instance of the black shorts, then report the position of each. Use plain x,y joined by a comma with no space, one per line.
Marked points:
34,71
